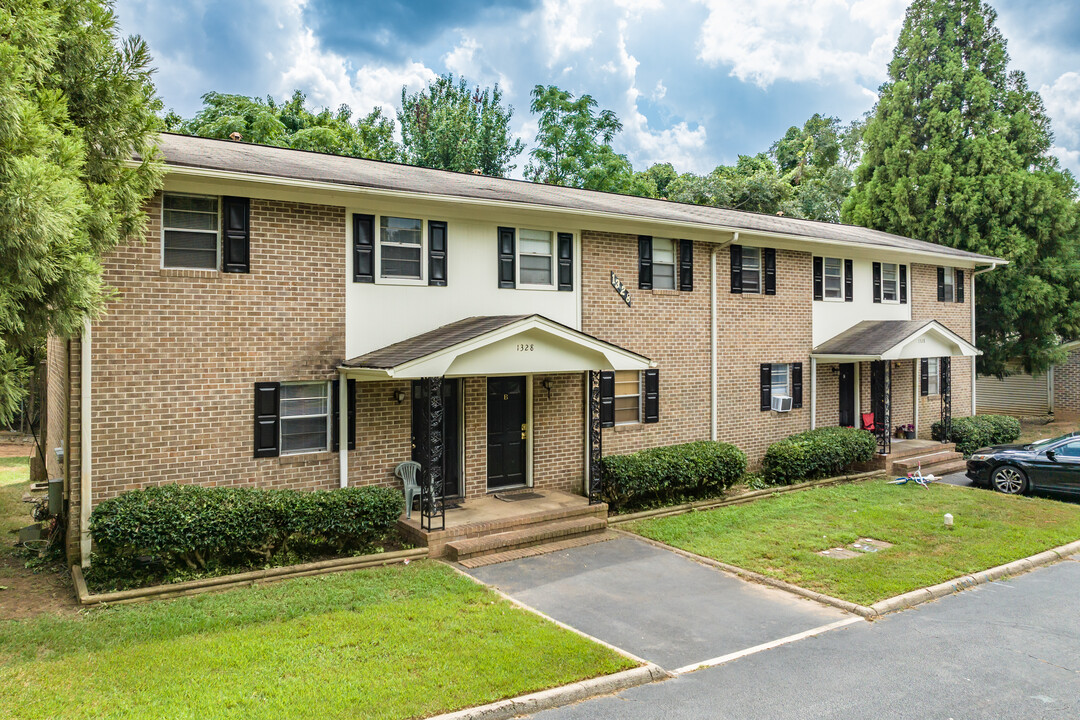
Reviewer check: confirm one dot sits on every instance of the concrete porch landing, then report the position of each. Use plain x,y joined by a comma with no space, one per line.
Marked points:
488,525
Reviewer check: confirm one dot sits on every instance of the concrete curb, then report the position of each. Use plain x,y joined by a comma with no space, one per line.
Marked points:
741,498
557,697
228,582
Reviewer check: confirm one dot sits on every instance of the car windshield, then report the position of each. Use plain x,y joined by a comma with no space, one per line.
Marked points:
1040,444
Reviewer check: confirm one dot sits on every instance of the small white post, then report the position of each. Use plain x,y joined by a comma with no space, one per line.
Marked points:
343,429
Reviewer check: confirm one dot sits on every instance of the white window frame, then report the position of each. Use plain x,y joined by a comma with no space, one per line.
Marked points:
949,284
216,233
933,376
674,263
639,396
824,280
518,253
397,280
895,281
329,420
787,380
760,274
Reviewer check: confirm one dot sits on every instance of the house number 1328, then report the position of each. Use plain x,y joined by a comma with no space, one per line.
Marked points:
525,347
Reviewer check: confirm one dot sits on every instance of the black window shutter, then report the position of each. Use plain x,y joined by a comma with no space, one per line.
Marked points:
652,396
506,257
363,248
766,386
566,261
437,253
877,282
924,376
819,278
236,238
267,398
941,284
607,398
796,385
959,286
736,268
644,253
350,410
768,259
849,282
903,283
686,265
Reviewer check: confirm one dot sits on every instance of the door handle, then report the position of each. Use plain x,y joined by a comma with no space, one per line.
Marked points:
523,429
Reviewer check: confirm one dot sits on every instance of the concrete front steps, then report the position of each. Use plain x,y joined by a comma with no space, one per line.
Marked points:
940,460
525,536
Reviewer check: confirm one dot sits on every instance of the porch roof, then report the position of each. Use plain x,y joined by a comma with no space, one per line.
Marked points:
493,345
894,340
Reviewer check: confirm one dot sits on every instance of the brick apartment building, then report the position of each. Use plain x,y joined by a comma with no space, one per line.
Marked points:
502,333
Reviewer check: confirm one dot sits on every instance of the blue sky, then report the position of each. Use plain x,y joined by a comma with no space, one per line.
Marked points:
695,82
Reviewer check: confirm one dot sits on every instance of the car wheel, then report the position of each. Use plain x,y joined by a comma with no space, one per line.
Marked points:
1009,480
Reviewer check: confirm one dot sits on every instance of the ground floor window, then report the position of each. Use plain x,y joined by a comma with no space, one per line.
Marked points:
781,380
627,397
305,417
933,375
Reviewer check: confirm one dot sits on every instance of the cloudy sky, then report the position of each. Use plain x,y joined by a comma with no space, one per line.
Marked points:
695,82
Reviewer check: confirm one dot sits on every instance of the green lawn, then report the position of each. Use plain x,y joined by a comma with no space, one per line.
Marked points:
394,642
781,536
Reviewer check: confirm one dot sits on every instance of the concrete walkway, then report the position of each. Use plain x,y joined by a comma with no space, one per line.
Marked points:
655,604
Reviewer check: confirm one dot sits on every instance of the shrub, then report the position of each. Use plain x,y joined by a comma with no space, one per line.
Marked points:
669,474
816,454
191,526
972,433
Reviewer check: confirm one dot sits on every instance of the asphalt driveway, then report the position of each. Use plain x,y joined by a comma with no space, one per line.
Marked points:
655,603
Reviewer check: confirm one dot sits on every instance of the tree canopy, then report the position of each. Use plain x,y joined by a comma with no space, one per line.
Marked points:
76,105
956,153
449,126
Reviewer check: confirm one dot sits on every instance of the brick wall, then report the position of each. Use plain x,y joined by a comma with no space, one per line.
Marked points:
956,317
1067,383
558,432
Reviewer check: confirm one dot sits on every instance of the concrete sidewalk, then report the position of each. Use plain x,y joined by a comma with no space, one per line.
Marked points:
653,603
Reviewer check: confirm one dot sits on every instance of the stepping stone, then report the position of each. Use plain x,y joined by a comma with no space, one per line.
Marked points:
879,544
839,553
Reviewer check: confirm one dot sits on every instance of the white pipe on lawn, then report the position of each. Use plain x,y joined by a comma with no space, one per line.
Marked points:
85,496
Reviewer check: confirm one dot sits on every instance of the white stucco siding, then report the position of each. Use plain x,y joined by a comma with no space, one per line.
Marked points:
381,313
832,317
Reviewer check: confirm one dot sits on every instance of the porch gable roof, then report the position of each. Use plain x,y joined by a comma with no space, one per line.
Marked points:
493,345
894,340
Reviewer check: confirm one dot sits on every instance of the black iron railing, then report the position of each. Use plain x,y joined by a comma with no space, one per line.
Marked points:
432,487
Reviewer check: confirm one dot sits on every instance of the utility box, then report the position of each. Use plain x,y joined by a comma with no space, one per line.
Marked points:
56,496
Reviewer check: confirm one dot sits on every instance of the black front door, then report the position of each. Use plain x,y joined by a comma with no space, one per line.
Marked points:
847,394
505,432
451,392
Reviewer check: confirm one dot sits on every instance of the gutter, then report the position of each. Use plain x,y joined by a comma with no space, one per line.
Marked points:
86,445
977,271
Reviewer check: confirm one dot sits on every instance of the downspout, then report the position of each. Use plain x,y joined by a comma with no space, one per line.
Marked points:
813,392
343,430
974,272
85,445
712,341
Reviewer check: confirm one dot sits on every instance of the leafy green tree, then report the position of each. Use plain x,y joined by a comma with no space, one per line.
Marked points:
448,126
752,184
76,105
573,145
291,124
956,153
818,160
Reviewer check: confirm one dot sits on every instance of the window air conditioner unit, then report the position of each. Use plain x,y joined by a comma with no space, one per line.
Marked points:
781,403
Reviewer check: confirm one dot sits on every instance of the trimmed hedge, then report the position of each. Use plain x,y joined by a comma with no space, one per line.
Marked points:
670,474
972,433
190,526
816,454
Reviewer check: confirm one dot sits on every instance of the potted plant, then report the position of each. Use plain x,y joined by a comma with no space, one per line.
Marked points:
906,431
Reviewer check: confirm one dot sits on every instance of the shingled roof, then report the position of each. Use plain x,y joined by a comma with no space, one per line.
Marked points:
183,151
432,341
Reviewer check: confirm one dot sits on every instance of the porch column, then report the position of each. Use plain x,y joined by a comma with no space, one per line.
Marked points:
596,485
881,398
945,381
343,430
432,487
813,393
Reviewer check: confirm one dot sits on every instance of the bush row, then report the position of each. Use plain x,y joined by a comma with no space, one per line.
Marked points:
668,474
816,454
191,526
972,433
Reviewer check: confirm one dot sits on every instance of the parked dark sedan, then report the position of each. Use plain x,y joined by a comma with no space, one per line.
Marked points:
1044,465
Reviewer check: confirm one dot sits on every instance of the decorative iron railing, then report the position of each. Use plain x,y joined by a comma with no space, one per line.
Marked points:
881,399
945,379
432,488
596,481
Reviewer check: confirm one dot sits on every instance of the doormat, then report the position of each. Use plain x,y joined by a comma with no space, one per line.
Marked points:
519,496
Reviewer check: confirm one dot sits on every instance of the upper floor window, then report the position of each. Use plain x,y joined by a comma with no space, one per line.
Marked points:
663,263
401,248
751,269
627,397
535,258
834,279
948,285
890,282
189,231
305,417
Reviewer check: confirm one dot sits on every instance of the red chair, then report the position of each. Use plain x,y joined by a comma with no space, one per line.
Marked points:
868,422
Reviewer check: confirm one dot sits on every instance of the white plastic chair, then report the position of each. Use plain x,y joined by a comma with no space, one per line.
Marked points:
408,471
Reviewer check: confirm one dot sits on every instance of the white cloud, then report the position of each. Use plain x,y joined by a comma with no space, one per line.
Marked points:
466,59
1062,100
658,92
817,40
1069,158
561,22
462,59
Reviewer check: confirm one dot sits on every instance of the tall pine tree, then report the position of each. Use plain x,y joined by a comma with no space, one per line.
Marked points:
956,153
